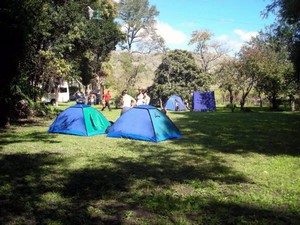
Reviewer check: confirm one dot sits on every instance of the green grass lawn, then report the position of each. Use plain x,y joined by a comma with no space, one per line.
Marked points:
228,168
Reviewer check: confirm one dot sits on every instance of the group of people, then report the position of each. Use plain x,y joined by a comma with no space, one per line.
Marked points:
127,101
94,98
142,97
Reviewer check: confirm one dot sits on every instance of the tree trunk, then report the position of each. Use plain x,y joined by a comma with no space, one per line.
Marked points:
293,104
260,99
231,97
243,101
56,94
242,104
274,103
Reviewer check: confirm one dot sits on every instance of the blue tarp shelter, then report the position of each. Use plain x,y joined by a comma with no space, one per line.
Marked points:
175,103
204,101
80,119
144,122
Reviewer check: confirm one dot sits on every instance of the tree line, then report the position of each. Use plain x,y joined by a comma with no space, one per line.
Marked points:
48,41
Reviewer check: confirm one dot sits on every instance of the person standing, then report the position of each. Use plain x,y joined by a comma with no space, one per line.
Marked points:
140,97
127,101
107,98
146,97
91,98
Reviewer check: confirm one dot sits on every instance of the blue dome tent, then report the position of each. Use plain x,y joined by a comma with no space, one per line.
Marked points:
175,103
80,119
144,122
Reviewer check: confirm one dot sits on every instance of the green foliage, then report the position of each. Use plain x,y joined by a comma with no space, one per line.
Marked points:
137,16
131,68
271,68
178,74
228,78
86,71
45,41
287,27
54,67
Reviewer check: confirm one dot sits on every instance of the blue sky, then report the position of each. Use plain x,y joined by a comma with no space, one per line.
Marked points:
231,21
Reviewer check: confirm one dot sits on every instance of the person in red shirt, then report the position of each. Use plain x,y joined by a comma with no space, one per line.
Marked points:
106,99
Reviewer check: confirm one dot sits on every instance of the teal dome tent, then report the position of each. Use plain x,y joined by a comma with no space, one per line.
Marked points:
80,119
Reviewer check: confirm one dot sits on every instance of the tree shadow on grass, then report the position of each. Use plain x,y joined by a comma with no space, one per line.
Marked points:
161,188
24,178
265,133
162,185
17,137
157,187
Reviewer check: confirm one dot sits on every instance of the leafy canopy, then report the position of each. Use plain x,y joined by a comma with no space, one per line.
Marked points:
178,74
138,19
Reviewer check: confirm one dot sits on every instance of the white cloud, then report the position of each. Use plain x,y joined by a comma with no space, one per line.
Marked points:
244,35
222,38
234,44
230,44
170,35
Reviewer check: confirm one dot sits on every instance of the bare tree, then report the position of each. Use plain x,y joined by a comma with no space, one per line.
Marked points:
138,19
209,51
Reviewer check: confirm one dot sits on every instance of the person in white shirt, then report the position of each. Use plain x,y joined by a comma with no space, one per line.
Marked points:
140,97
146,97
127,101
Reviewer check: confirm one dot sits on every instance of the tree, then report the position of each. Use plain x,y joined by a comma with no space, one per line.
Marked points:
86,72
248,70
178,73
131,67
276,73
208,51
138,20
263,64
13,28
101,37
55,71
152,43
288,14
82,41
228,78
49,39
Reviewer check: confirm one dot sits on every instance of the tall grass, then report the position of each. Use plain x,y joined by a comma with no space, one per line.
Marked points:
228,168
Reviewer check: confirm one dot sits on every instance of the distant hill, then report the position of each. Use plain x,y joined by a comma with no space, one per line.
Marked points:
145,78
